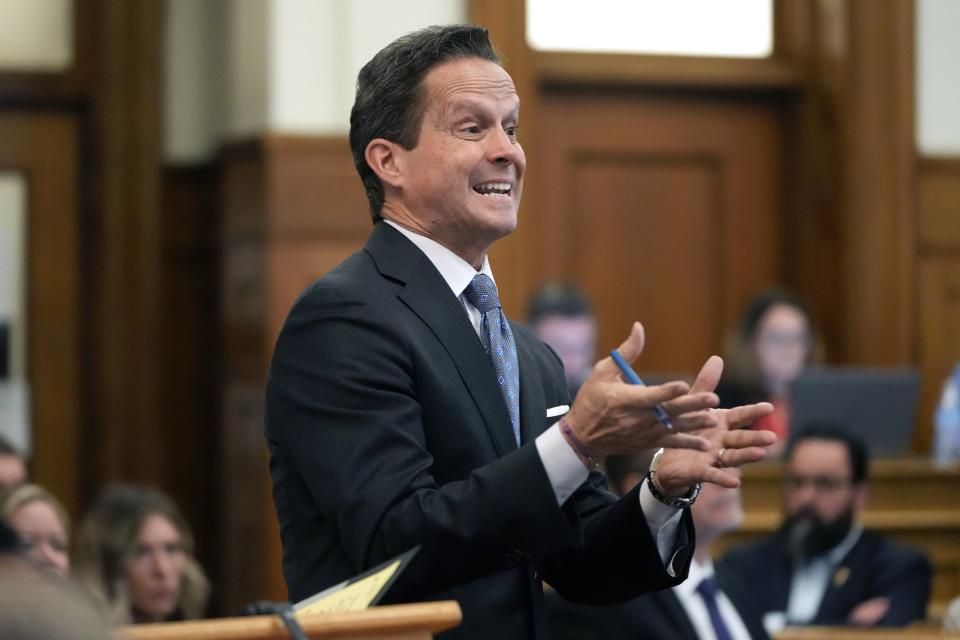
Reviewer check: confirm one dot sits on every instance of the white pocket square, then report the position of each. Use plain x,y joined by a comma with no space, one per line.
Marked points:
558,410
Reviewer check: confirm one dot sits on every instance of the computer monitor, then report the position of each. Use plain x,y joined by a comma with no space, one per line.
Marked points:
878,405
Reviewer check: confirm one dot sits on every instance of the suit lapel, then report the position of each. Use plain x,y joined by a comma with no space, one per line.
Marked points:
428,296
533,406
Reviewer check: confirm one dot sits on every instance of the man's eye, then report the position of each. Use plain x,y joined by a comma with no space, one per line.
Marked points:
512,131
472,129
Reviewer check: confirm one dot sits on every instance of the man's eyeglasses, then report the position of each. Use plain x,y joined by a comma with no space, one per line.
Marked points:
821,484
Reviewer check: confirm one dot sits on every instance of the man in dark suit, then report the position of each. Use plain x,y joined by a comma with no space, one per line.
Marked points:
404,410
712,604
822,568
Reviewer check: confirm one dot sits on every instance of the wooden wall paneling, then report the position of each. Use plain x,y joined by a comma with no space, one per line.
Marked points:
243,494
664,209
938,202
191,355
46,149
293,209
124,248
939,331
877,203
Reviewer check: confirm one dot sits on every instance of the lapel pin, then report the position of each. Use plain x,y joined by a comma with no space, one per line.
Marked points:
840,576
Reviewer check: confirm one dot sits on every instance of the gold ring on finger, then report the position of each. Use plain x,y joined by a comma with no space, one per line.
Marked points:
720,453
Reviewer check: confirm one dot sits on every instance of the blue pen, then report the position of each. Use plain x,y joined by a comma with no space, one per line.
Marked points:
635,379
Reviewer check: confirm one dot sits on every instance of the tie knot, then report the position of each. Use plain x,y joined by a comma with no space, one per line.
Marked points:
482,293
708,588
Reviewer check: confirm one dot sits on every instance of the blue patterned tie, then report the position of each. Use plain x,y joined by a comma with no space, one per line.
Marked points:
499,344
708,591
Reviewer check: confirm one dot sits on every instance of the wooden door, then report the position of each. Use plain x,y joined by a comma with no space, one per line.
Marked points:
663,208
44,149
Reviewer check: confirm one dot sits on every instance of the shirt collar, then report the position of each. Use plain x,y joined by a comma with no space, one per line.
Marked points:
697,574
457,272
840,551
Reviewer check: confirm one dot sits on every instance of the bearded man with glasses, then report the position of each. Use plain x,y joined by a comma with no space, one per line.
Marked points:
822,567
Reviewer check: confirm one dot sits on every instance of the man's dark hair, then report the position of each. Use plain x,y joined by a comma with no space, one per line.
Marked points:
557,299
856,448
390,103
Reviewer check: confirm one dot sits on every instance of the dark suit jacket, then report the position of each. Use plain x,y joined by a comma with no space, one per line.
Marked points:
874,567
387,429
654,616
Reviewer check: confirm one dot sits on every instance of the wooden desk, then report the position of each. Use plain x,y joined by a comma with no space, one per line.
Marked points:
396,622
910,500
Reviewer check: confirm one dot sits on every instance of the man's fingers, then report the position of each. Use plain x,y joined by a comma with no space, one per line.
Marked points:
739,457
720,477
691,402
709,376
673,440
747,414
629,349
741,438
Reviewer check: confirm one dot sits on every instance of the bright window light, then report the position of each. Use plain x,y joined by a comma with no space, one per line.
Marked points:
731,28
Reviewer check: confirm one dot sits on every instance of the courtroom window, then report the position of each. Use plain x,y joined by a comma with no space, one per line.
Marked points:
732,28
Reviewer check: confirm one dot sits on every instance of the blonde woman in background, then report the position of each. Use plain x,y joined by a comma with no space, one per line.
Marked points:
135,552
41,523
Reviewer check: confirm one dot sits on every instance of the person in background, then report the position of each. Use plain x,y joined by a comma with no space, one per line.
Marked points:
951,619
42,525
561,316
774,344
712,603
35,605
135,552
13,469
822,567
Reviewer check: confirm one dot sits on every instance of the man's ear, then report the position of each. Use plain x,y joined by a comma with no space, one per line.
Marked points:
383,157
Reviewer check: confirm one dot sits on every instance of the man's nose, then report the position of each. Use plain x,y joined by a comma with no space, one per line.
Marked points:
504,149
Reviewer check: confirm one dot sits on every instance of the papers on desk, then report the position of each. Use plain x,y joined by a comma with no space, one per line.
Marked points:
359,593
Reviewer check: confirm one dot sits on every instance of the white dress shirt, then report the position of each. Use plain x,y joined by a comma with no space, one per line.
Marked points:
810,581
696,608
564,469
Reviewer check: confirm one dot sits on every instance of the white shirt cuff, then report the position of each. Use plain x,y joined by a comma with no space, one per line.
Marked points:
564,469
663,521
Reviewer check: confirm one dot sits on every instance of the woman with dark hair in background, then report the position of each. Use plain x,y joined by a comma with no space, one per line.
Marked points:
774,344
135,552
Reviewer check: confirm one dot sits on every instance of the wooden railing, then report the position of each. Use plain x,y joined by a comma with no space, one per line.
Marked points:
396,622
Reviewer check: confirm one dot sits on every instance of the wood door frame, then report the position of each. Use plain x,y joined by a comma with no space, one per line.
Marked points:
45,147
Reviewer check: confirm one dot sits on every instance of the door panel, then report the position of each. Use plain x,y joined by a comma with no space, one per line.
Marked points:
664,209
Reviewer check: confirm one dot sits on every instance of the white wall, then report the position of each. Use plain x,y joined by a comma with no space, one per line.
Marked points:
239,68
36,35
938,77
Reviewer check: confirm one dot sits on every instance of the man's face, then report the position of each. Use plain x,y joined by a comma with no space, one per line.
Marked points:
821,500
574,338
461,184
717,510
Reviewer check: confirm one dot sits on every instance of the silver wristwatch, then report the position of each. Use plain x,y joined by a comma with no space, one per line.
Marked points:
682,502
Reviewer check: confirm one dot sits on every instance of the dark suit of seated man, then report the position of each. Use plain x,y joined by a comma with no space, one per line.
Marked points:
710,604
403,409
822,568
